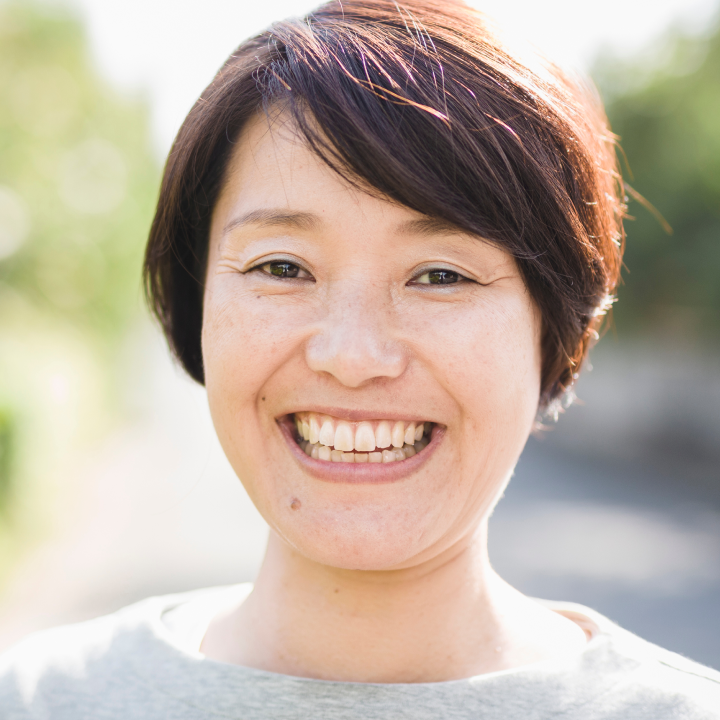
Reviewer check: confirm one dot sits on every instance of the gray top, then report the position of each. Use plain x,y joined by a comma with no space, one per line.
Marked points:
143,663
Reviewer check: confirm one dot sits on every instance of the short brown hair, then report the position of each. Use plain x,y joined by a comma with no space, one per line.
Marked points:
423,104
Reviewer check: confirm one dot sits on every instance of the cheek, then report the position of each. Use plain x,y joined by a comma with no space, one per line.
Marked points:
245,337
244,341
507,366
489,359
249,343
487,354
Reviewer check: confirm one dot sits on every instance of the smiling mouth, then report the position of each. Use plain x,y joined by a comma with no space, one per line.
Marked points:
328,439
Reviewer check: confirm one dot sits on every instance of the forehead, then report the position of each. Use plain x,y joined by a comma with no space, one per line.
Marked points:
271,165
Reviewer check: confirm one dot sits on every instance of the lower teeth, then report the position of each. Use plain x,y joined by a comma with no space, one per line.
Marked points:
323,452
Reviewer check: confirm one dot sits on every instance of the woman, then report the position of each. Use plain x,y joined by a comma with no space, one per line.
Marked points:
384,242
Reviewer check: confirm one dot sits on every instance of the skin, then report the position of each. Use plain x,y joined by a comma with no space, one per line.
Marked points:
368,581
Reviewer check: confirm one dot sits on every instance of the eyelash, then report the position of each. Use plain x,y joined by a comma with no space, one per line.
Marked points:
280,261
459,278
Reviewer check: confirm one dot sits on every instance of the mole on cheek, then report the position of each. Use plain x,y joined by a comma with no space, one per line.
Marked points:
295,504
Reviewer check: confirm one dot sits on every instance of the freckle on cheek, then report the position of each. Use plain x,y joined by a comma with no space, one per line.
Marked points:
295,504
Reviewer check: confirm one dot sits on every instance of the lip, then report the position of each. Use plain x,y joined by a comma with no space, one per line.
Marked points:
365,473
354,415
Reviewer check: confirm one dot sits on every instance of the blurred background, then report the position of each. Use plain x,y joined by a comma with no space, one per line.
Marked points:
112,485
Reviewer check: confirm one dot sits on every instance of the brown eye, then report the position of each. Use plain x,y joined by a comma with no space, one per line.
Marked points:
281,269
439,277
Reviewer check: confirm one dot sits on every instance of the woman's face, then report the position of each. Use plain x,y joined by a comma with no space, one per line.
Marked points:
368,325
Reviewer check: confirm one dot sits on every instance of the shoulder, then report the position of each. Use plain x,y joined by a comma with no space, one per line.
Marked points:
671,683
48,665
68,667
97,668
637,679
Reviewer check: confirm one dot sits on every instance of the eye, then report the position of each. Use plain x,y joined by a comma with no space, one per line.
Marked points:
439,276
283,269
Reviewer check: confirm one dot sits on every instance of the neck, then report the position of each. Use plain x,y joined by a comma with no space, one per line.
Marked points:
449,618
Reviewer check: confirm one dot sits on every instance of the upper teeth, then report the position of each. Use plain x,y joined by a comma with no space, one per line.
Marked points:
340,436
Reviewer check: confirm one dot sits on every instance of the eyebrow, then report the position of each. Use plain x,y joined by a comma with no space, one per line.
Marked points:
274,217
428,226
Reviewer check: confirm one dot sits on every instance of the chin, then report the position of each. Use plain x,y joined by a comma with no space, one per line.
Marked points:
358,543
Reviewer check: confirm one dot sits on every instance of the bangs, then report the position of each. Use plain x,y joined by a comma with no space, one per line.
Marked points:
373,101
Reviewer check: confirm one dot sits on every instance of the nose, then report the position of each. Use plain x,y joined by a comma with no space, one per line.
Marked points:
356,342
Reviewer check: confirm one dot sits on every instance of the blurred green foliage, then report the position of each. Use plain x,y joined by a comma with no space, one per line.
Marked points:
77,179
78,183
666,110
6,452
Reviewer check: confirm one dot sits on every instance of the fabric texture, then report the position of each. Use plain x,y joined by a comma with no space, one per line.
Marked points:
143,663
